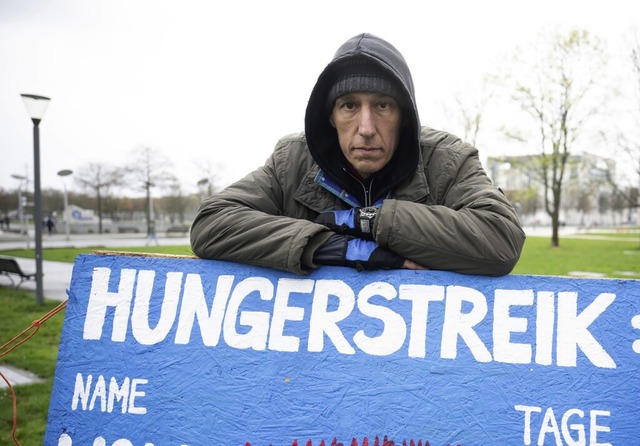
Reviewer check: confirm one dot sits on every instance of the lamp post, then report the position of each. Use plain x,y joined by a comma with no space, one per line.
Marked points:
201,187
64,173
36,106
151,219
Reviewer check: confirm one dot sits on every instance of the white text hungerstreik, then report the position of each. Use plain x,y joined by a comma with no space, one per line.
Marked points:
554,324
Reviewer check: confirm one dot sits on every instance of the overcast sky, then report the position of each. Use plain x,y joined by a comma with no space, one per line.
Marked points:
215,84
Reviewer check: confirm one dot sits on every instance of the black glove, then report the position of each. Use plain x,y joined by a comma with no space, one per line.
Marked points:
341,250
357,222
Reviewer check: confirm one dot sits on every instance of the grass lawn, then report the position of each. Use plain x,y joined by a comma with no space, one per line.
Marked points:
38,355
69,254
613,255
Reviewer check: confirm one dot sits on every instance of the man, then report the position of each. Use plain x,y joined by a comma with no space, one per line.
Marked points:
365,186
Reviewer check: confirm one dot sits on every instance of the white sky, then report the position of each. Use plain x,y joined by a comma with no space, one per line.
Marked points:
217,83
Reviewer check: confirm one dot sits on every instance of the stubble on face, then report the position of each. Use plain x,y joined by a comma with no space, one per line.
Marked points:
368,128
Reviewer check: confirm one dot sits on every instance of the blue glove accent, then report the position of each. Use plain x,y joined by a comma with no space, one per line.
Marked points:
347,218
357,253
348,222
359,250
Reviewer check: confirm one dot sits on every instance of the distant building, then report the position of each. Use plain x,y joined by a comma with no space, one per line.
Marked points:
588,197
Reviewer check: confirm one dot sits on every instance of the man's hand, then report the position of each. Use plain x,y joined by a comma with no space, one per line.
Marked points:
357,222
410,264
360,254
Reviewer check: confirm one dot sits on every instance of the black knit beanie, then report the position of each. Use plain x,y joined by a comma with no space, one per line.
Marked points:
364,77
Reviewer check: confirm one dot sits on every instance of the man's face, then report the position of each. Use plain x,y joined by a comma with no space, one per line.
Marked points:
368,126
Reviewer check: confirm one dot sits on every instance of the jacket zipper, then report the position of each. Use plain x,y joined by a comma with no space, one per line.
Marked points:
367,193
367,190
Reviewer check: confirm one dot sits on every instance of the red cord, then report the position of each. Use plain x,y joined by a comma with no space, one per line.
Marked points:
35,324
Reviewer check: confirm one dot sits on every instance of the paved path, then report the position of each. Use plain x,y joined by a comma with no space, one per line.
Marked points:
55,279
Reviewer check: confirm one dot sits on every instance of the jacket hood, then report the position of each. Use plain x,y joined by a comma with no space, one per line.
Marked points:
322,138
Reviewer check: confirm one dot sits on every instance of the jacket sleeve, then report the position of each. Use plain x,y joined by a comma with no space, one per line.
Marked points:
245,223
467,224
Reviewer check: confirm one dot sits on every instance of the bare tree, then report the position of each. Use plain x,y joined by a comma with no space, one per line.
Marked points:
175,203
99,178
559,97
208,178
628,139
635,64
472,107
150,169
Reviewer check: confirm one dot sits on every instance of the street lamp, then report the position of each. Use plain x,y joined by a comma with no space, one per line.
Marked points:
151,219
36,106
64,173
201,186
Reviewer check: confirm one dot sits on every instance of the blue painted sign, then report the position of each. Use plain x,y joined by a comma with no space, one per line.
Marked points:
182,351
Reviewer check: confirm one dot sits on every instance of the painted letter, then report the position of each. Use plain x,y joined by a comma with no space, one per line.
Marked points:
81,391
194,305
545,318
573,330
395,328
549,425
527,420
282,312
140,328
594,428
100,391
504,324
256,337
117,393
100,298
324,321
457,323
134,394
581,441
420,296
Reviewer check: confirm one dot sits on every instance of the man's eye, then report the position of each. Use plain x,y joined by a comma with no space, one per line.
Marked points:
349,105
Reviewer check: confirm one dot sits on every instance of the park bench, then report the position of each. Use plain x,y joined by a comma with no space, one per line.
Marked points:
178,230
9,267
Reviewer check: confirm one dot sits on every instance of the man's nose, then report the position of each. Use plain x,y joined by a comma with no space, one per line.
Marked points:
366,124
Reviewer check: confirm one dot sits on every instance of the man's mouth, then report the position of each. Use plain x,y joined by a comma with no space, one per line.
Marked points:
366,149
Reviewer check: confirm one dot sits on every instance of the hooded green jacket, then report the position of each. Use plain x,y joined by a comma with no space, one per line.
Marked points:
439,208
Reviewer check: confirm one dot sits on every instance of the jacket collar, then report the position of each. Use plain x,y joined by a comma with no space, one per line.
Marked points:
319,193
